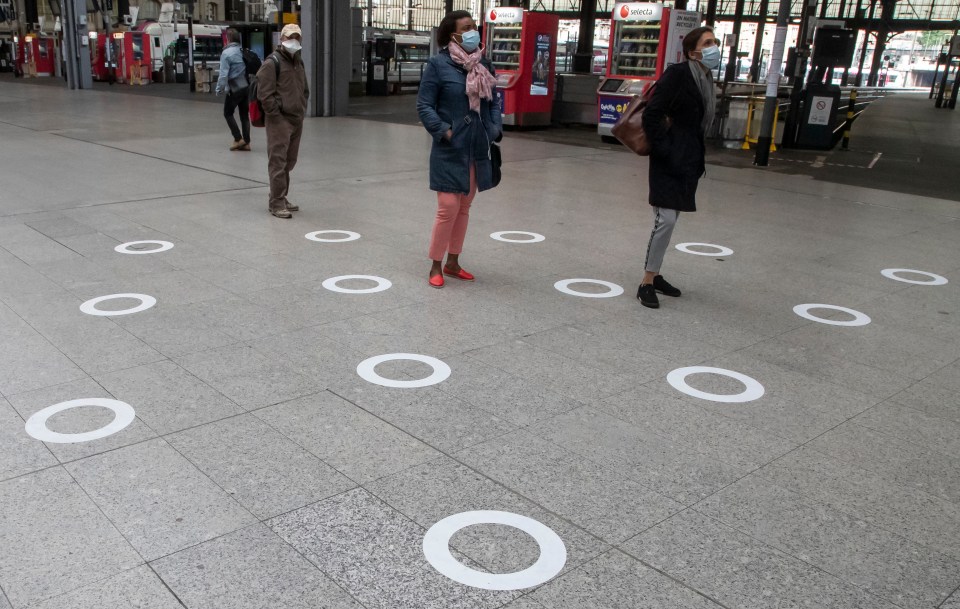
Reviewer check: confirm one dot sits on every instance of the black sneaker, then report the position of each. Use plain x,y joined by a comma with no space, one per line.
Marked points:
647,295
660,284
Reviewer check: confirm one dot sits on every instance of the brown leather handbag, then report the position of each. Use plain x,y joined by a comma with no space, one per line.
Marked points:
629,127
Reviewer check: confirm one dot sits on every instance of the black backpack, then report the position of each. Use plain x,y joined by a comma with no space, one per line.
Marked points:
254,107
251,61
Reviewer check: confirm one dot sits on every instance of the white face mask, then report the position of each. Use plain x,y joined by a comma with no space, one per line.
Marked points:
291,45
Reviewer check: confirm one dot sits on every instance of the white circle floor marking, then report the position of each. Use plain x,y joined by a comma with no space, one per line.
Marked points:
382,284
124,248
678,378
553,553
859,319
37,424
534,237
894,274
721,250
90,307
564,286
315,236
367,370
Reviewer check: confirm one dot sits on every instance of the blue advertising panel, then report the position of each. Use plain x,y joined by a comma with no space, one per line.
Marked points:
611,108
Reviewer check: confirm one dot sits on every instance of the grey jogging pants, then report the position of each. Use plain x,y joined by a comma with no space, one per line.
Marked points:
663,222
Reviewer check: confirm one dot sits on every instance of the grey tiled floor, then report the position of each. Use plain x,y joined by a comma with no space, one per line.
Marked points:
262,471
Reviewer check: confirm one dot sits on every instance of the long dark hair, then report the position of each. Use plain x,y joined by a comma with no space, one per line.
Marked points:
691,40
448,26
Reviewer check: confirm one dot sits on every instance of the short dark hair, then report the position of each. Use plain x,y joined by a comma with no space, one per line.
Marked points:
691,40
233,35
448,26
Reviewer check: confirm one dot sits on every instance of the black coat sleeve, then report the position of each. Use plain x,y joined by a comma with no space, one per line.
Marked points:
659,106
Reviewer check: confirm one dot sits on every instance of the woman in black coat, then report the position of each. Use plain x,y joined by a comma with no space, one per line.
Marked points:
675,120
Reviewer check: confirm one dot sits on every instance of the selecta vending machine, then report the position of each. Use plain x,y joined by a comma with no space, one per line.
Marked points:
523,46
645,38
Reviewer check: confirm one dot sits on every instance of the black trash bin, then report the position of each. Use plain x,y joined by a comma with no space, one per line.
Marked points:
377,77
818,120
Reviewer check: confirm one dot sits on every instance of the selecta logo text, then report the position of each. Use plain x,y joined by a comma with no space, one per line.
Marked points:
638,11
624,11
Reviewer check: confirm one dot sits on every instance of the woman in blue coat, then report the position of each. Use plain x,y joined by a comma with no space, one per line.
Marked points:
675,120
457,106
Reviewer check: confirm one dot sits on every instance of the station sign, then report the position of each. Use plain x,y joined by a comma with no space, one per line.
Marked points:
505,14
637,11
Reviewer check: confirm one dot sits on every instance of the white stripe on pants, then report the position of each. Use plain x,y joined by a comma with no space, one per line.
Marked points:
664,220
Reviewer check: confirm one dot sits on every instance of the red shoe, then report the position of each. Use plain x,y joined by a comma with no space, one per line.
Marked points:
436,281
461,274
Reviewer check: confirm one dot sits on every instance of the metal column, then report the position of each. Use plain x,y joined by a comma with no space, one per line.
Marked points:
583,58
758,42
327,27
74,20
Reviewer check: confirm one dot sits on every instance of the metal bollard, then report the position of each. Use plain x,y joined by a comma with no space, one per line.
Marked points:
849,121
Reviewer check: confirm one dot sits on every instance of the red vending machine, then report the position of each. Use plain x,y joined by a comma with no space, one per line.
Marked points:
523,47
39,58
136,60
645,38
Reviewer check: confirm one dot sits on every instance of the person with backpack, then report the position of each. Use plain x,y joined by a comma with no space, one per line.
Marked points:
283,92
675,120
233,82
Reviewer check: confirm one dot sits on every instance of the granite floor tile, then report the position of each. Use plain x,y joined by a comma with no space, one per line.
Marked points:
138,588
677,471
595,497
174,287
948,376
436,418
699,424
931,399
54,538
79,420
97,344
740,571
31,362
911,425
167,397
264,471
19,453
912,466
247,377
249,569
503,394
157,499
376,555
346,437
953,602
879,561
916,515
430,492
175,331
616,581
540,367
241,319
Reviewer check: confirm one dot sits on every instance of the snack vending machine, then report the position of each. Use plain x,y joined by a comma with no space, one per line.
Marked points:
645,38
523,47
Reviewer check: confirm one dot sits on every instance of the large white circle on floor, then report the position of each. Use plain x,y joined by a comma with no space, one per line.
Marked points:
90,307
124,248
753,389
720,250
553,553
534,237
382,284
349,235
367,370
894,274
37,424
859,319
564,286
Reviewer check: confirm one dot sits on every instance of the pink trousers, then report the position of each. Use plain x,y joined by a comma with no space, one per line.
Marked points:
450,225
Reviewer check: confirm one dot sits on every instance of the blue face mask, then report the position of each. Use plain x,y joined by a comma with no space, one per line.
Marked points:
711,57
469,41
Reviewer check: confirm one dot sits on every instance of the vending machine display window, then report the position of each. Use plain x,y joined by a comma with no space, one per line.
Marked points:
636,49
505,53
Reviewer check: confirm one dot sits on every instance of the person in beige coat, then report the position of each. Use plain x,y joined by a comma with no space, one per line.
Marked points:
283,94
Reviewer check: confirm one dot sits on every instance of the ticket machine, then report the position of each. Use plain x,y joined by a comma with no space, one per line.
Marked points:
645,38
523,46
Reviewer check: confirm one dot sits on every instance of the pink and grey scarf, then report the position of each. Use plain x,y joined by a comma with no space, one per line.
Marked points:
480,82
